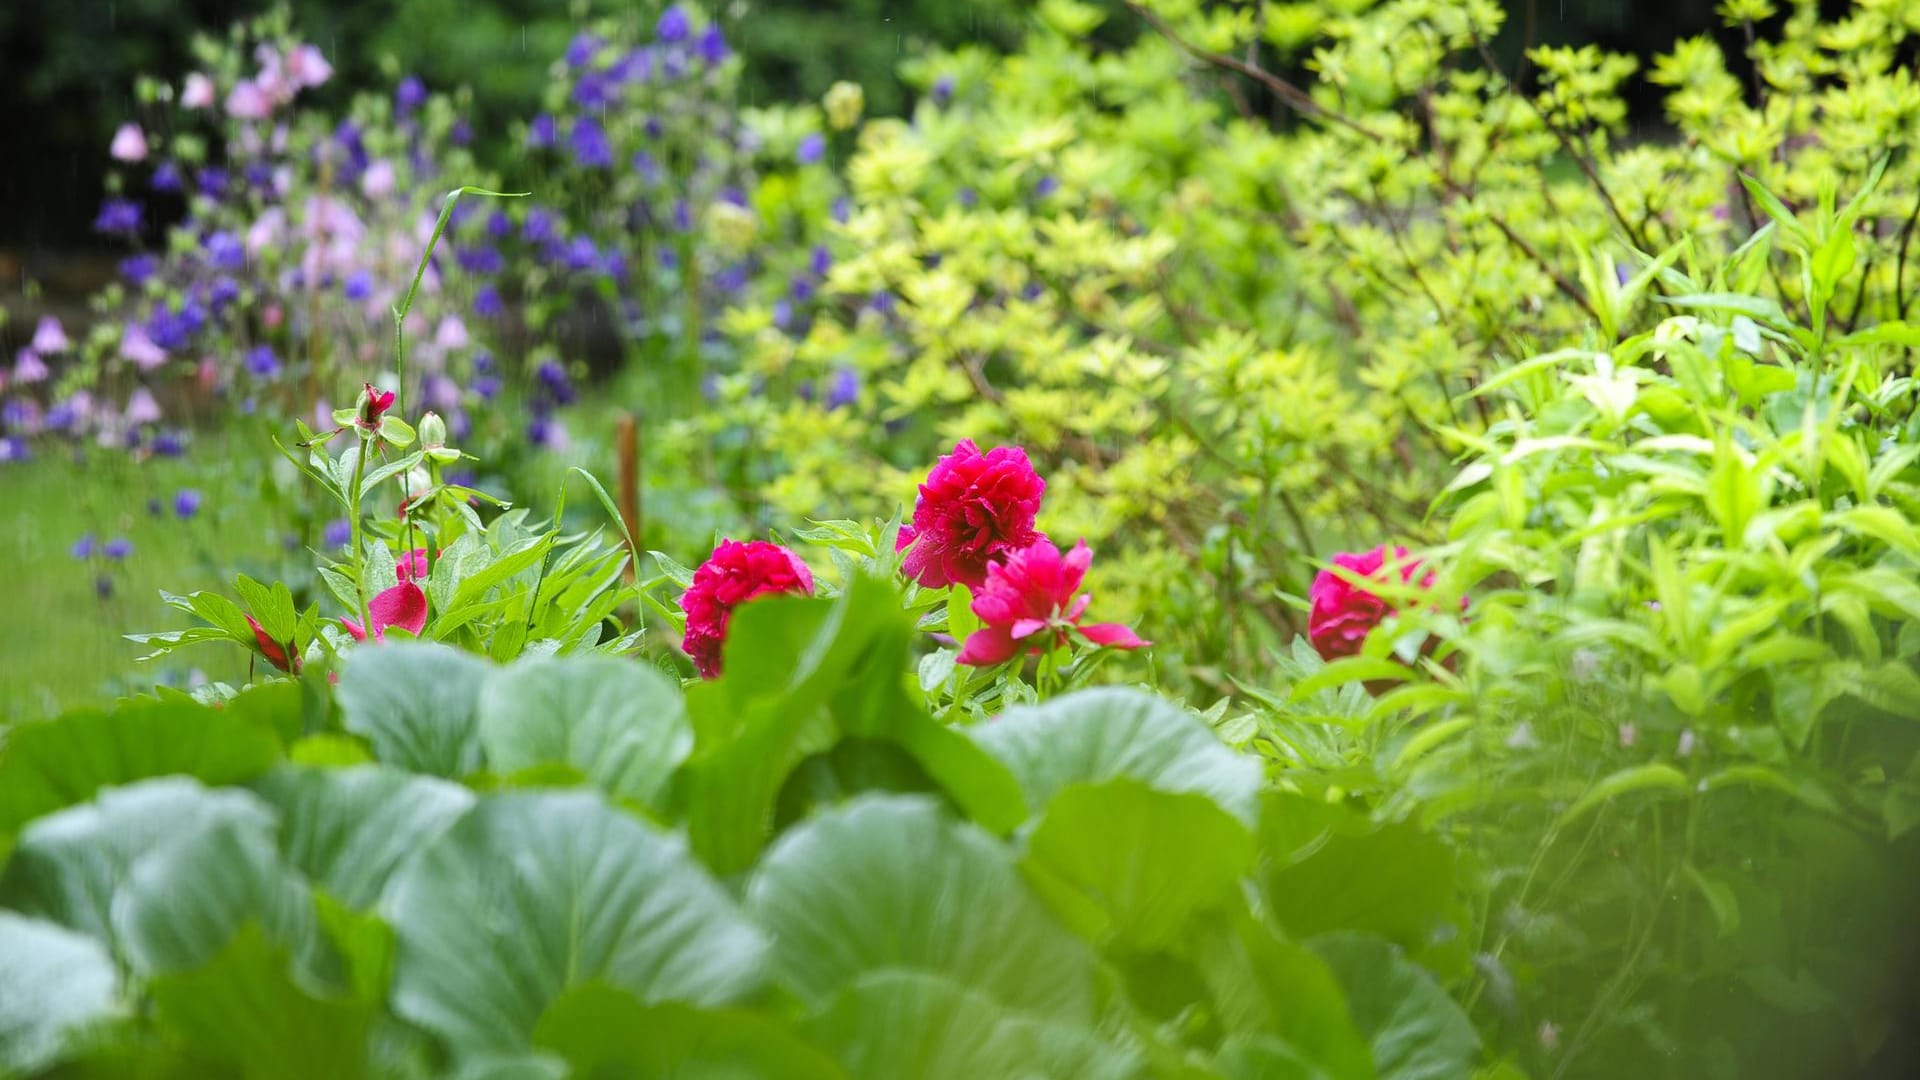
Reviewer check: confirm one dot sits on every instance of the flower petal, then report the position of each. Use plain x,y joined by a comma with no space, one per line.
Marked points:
986,647
404,606
1113,636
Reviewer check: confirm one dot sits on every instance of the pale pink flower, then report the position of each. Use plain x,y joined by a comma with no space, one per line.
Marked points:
247,101
141,408
129,144
197,93
308,67
451,334
50,337
136,346
28,367
377,183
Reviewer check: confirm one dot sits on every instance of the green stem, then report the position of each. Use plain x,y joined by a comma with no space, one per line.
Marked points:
400,310
353,515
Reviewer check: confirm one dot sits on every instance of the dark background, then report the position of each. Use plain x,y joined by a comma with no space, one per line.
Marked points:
67,68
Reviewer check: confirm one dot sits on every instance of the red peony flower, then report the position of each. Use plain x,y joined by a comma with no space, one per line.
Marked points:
973,510
735,573
1030,596
278,655
404,606
1342,612
412,566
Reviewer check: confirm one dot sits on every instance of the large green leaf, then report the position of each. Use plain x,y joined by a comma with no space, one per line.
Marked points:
165,871
1327,868
1097,735
65,761
1417,1032
347,829
52,981
417,704
1123,860
886,883
902,1025
533,893
622,724
601,1031
1281,1000
244,1009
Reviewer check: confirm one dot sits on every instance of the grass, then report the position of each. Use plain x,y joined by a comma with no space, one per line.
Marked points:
61,641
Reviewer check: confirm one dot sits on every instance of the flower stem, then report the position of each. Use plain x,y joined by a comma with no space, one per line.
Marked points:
353,515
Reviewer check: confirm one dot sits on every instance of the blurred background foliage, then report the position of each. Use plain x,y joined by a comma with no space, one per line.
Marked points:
66,67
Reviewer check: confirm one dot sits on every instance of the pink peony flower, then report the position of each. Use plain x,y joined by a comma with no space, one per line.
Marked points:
412,566
197,92
1344,613
735,573
307,67
973,510
136,346
1028,602
374,404
404,606
247,101
278,655
50,337
129,144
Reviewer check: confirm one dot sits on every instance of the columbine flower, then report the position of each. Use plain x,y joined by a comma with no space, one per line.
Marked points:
735,573
1029,603
197,92
812,149
541,133
262,363
186,503
118,216
28,367
674,25
589,145
136,346
307,67
712,45
451,334
409,95
338,533
141,407
377,181
129,144
280,656
581,50
404,606
973,509
50,337
247,101
118,548
1344,613
83,547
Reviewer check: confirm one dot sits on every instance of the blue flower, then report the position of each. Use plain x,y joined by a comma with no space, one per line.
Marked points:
485,387
262,363
487,303
966,197
225,291
595,91
712,46
842,210
499,225
212,181
542,133
682,215
338,533
14,448
1047,185
166,177
820,261
674,25
186,503
589,144
409,95
812,149
483,362
843,389
260,175
480,260
118,548
636,66
461,133
83,547
800,290
581,50
118,216
943,90
648,168
582,254
169,444
60,417
138,269
539,227
226,252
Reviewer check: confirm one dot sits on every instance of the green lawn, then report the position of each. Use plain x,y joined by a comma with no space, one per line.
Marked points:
60,640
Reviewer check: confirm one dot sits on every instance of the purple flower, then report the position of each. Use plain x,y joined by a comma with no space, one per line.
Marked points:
682,215
118,548
139,269
409,95
595,91
262,363
966,197
636,66
542,133
480,260
226,252
799,290
539,226
338,533
166,177
843,390
842,209
186,503
581,49
169,444
614,265
483,363
812,149
225,291
141,407
83,547
118,216
943,90
648,168
589,144
499,225
674,25
485,387
359,285
652,127
1046,186
461,133
28,367
730,279
60,417
103,587
212,181
582,254
50,337
712,46
820,261
487,303
259,176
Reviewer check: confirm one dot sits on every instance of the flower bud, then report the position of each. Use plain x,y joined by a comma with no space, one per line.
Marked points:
433,431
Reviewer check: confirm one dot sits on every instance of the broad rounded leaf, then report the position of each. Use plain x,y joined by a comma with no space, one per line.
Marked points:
417,704
347,829
1326,868
533,893
1416,1030
52,981
601,1031
1144,861
65,761
891,883
896,1025
622,724
1097,735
